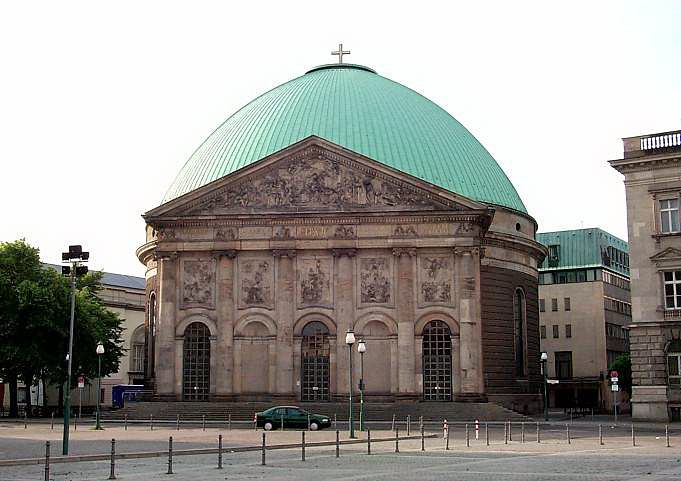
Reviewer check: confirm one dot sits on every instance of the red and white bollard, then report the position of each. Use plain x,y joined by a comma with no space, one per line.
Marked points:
477,429
255,421
445,434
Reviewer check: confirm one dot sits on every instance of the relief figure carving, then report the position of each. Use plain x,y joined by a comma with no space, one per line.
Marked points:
436,286
255,283
314,282
405,231
375,281
199,279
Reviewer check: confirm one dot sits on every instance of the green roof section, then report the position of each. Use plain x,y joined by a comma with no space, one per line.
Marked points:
583,248
352,106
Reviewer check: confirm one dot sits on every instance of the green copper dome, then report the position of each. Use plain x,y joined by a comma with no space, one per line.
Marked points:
352,106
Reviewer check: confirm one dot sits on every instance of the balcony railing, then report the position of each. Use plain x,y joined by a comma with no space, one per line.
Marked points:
672,314
645,144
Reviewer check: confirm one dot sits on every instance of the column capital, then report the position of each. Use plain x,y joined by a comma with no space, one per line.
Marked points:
404,251
290,253
344,252
166,255
470,251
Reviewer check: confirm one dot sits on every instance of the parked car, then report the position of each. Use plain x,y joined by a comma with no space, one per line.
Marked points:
292,416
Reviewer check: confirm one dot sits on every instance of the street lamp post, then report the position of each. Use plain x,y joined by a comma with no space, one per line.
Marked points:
544,358
361,348
350,340
75,256
100,351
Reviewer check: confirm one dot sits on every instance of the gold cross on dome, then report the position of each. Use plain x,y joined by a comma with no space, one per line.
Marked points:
340,52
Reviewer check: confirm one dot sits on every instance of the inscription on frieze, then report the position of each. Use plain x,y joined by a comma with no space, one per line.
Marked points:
375,280
312,181
312,232
436,275
198,283
256,279
314,282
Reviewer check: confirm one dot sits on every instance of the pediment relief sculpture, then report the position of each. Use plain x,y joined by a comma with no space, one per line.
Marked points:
312,182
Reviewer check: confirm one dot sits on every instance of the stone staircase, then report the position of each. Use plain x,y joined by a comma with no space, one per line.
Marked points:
243,411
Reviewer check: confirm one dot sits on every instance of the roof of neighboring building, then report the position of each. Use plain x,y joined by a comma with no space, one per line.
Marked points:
582,248
111,279
352,106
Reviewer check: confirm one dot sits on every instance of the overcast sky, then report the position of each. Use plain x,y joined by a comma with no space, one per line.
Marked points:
101,103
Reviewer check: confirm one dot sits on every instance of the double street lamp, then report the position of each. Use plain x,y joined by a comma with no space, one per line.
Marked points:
544,357
350,340
361,348
100,351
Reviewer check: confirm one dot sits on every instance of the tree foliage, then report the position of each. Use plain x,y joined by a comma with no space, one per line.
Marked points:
35,307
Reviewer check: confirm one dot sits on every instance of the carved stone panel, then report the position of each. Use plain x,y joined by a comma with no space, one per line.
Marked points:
256,282
314,284
313,181
376,281
198,283
436,279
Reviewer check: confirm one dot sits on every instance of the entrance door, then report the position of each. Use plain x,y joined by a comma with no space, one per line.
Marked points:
315,362
196,363
437,362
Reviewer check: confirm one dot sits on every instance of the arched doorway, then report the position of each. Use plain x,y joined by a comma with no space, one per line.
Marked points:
315,362
437,362
196,363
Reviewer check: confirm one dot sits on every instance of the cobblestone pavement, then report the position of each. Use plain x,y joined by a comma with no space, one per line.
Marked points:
552,459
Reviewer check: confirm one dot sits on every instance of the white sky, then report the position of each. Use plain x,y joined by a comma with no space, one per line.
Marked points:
101,103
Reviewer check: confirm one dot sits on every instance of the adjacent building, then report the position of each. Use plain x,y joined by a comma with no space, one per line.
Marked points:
652,179
584,312
338,201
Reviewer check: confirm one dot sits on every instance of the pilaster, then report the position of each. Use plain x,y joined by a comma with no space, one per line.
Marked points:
167,310
281,353
224,352
406,316
344,312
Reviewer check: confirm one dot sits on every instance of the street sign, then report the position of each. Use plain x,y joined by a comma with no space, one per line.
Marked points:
615,387
81,382
614,374
614,380
552,381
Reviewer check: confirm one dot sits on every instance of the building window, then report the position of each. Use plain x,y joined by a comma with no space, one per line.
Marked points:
519,318
568,330
674,368
672,289
554,255
669,216
542,305
556,334
138,352
567,303
542,332
554,304
563,364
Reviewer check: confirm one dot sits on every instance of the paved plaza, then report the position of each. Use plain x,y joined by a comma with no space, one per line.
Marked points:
551,459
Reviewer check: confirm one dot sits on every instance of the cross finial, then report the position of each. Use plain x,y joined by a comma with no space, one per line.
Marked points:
340,52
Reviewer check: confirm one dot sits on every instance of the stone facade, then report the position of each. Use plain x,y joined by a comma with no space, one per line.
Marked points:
317,235
652,174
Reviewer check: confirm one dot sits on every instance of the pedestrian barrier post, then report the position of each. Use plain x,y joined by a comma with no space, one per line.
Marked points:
666,433
170,455
151,422
177,422
263,449
52,422
337,443
522,432
487,434
633,436
510,430
445,434
368,441
302,445
112,472
567,432
397,440
392,428
468,443
47,461
220,451
408,424
125,422
505,433
203,422
423,439
477,430
538,440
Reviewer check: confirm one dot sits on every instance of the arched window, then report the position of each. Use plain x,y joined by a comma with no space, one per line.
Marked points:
519,330
674,363
137,356
315,354
437,362
151,336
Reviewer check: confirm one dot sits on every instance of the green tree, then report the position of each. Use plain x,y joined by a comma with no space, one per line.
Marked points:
622,364
35,309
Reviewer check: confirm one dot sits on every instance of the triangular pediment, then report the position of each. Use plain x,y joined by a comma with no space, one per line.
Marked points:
314,176
668,254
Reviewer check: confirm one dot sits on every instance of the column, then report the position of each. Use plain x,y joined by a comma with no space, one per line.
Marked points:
404,294
165,336
236,377
224,353
284,312
467,272
345,312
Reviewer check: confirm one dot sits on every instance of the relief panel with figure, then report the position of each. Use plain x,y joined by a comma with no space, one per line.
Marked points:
375,281
436,276
314,282
198,283
256,282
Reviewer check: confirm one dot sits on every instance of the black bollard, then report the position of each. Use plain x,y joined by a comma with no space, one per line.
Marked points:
337,443
447,437
170,455
538,440
633,436
666,434
25,420
600,434
177,422
151,423
302,445
486,434
397,440
505,433
368,441
47,461
522,432
423,439
408,425
112,473
229,421
567,433
52,423
468,439
510,430
220,451
125,422
203,422
263,449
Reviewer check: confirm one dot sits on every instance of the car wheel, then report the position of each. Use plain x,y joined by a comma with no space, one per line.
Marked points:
314,426
268,426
